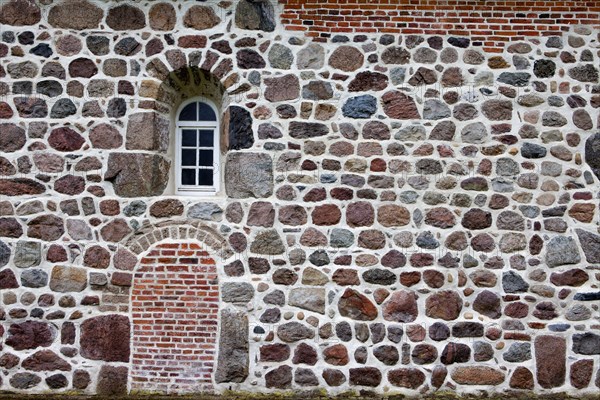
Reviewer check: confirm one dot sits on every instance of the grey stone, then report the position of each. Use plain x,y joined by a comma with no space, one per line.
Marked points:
590,244
4,254
513,283
411,133
234,292
518,79
518,352
340,237
532,150
553,118
475,132
34,278
206,212
578,312
360,106
280,56
592,153
395,55
435,109
311,57
586,343
584,73
234,357
135,208
312,299
268,243
562,250
507,167
255,15
294,331
248,175
27,254
397,75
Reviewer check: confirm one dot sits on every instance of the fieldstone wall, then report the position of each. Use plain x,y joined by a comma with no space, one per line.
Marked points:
399,214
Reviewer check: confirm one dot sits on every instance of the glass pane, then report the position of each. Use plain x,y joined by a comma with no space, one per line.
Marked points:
188,157
206,112
205,157
205,177
188,138
189,113
207,138
188,177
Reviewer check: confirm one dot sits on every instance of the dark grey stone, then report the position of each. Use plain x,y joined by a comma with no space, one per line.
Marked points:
360,107
518,79
586,343
240,128
513,283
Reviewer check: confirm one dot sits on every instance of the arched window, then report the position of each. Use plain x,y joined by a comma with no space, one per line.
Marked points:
197,152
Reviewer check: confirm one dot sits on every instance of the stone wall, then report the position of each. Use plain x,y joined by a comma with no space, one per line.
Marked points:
400,213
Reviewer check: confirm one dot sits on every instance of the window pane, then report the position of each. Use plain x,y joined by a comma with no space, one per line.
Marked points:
206,112
205,157
205,177
188,157
207,138
188,177
189,113
188,138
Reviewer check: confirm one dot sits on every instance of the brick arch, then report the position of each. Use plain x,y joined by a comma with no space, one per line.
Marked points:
174,306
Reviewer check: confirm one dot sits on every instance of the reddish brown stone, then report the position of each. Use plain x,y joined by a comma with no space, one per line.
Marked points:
354,305
30,335
346,58
277,352
445,304
162,17
440,217
479,375
112,381
365,376
410,378
126,18
550,360
166,208
105,136
409,279
359,214
305,354
581,373
583,212
20,13
106,338
82,68
8,280
401,307
516,310
572,277
45,360
346,277
65,139
433,279
115,231
96,257
261,213
327,214
46,227
477,219
371,239
424,354
292,215
399,106
200,18
12,138
70,184
333,377
392,215
336,355
522,378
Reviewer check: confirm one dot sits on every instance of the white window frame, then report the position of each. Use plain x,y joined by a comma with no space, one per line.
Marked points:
214,125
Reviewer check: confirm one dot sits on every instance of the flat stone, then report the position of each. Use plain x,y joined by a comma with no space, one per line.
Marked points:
45,360
255,15
234,357
30,335
137,174
445,304
20,13
401,307
312,299
365,376
112,381
478,375
294,331
356,306
268,243
147,131
398,105
282,88
248,175
562,250
68,279
346,58
360,107
311,57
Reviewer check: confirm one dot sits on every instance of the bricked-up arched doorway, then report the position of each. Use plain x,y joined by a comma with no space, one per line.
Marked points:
174,304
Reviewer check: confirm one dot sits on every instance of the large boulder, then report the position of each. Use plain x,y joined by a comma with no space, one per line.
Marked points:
147,131
75,14
137,174
106,338
255,15
234,356
248,175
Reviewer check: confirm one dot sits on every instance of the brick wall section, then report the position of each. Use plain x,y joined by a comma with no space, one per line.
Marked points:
489,23
174,313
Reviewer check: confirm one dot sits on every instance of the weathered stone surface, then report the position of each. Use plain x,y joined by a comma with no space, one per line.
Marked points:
398,105
75,14
401,307
162,17
488,304
312,299
283,88
410,378
279,378
365,376
30,335
360,106
445,304
294,331
311,57
45,360
268,243
590,244
147,131
112,381
68,279
137,174
24,380
19,13
550,354
586,343
366,80
479,375
562,250
105,136
65,140
12,138
234,357
105,338
357,306
46,227
248,175
255,15
395,55
346,58
125,18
